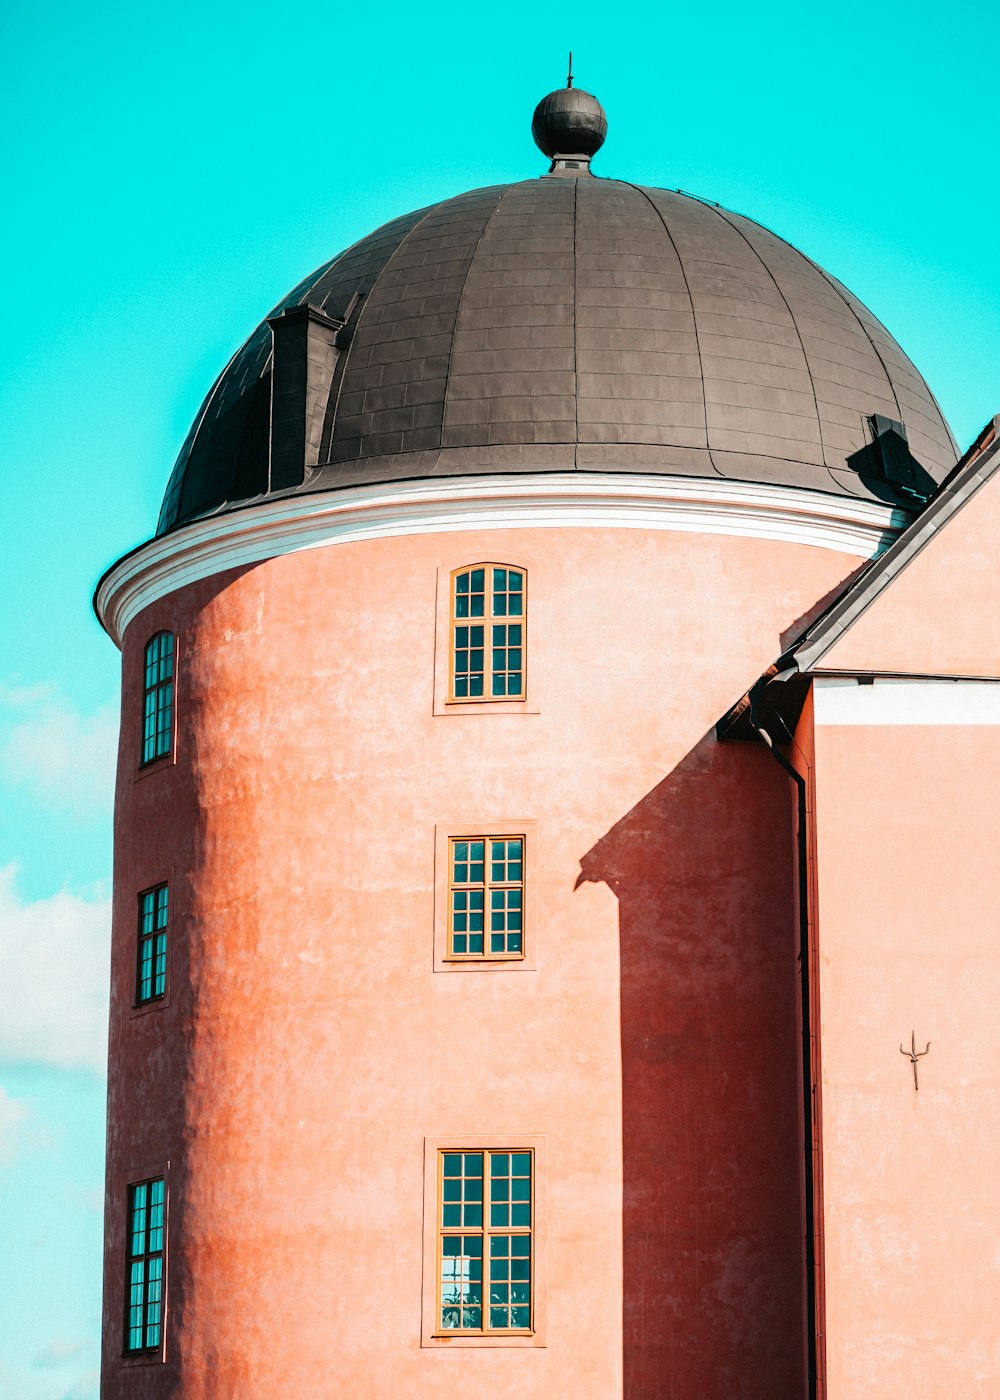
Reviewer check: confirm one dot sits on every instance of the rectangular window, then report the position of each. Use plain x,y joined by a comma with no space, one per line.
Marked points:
485,1242
487,641
158,697
151,963
144,1279
486,897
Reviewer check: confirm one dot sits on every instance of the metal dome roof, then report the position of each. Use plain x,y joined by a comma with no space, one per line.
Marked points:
576,324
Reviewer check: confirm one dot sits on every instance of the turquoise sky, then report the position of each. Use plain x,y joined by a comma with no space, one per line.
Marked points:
168,173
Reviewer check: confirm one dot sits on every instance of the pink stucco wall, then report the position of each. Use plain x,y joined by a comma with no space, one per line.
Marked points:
939,615
309,1047
907,835
905,902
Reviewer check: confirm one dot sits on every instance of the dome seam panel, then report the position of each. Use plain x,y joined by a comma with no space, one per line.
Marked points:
832,281
694,319
852,302
849,298
791,316
201,421
504,192
431,209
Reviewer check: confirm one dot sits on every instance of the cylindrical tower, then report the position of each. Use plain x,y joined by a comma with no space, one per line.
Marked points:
454,1021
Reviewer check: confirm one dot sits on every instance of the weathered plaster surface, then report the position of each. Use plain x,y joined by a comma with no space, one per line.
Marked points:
907,835
309,1047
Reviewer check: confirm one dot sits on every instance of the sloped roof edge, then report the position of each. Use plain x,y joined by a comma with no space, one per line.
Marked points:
971,472
786,681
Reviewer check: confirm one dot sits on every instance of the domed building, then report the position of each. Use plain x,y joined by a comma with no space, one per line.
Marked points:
551,703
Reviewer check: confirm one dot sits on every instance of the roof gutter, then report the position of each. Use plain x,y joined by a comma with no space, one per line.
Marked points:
809,1116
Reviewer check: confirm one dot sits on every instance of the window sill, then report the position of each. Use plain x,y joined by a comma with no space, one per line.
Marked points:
489,1339
155,765
143,1008
486,707
460,958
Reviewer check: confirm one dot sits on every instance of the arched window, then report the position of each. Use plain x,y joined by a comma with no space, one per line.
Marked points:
158,697
488,632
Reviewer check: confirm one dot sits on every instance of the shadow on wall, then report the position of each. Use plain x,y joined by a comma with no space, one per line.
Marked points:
703,870
791,634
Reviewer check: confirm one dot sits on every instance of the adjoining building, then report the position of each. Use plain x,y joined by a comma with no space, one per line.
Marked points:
560,718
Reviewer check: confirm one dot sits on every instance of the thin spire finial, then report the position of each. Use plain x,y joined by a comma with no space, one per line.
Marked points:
569,80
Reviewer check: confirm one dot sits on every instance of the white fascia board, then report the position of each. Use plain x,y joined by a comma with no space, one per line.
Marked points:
842,700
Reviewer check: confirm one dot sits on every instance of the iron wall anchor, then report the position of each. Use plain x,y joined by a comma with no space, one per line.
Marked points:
913,1054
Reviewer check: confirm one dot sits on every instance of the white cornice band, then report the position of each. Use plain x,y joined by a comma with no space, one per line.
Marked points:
523,501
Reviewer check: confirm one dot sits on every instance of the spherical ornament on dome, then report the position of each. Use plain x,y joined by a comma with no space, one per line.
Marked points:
569,122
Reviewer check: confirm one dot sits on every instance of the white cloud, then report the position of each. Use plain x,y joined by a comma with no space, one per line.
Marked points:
13,1114
60,1352
85,1386
66,759
92,1201
55,956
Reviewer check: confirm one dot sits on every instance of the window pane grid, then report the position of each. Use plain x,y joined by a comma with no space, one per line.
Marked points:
151,966
507,653
488,657
486,882
504,1246
137,1294
144,1285
158,697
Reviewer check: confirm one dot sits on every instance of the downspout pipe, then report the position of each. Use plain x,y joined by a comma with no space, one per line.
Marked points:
756,695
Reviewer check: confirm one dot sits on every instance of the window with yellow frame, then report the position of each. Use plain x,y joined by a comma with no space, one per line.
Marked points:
485,1264
488,620
486,898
